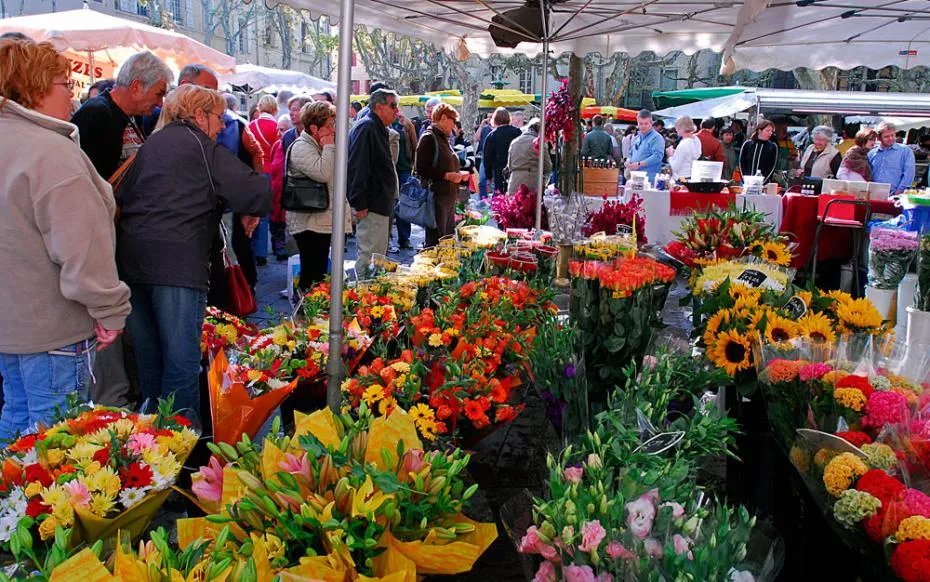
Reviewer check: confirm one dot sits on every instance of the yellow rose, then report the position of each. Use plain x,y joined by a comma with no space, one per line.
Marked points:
47,528
33,489
54,457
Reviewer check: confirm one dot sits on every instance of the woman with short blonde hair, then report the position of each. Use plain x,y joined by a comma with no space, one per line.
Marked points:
171,204
61,298
268,104
687,151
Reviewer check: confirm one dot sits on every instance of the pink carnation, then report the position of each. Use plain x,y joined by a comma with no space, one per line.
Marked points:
814,372
592,533
653,547
617,550
885,407
140,441
682,545
573,474
578,574
546,573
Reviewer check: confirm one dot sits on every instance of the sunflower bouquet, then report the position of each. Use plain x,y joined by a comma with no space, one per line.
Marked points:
95,471
341,499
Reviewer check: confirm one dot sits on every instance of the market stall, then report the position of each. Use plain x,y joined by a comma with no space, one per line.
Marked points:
252,78
97,43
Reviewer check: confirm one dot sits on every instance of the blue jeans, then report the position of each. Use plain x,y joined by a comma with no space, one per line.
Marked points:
482,182
35,384
260,239
403,227
165,327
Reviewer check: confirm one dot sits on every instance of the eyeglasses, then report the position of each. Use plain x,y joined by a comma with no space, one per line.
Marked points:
69,84
392,105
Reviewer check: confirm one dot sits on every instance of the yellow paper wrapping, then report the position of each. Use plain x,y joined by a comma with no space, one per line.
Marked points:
320,424
260,555
232,486
329,568
385,432
83,566
392,562
272,457
126,567
89,528
452,558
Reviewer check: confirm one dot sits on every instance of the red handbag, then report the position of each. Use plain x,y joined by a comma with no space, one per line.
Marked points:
240,299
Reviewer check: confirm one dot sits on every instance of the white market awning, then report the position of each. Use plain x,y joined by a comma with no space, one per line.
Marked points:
256,78
833,33
111,40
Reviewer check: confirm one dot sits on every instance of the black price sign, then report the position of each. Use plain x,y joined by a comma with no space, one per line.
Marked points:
752,277
795,307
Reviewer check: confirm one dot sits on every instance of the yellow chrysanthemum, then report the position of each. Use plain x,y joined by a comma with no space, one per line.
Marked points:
83,452
179,443
841,471
916,527
103,481
780,330
817,328
279,337
851,398
401,367
435,340
63,513
101,505
731,352
859,315
54,495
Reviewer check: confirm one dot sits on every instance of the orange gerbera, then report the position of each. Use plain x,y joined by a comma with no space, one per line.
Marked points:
473,410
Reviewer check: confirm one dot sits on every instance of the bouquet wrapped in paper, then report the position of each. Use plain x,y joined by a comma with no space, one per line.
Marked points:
341,499
87,476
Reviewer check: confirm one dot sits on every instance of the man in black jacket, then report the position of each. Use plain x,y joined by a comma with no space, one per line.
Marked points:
110,123
496,148
372,179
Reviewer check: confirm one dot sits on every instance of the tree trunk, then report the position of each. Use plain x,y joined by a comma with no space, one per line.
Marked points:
569,166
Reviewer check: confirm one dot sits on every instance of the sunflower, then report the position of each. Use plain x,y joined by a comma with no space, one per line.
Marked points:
731,352
859,315
817,328
738,290
776,253
722,317
806,296
840,298
780,330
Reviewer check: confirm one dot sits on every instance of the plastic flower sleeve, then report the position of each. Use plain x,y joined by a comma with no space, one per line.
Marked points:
234,411
891,251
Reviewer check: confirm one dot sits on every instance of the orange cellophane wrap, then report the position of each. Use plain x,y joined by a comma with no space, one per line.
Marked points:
83,566
234,412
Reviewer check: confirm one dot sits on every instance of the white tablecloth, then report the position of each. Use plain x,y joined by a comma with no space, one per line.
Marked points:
660,223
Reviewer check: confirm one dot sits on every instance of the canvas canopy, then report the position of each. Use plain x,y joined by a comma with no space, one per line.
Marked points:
663,99
255,77
100,43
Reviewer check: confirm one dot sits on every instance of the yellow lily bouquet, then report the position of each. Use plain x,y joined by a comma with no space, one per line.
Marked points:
342,499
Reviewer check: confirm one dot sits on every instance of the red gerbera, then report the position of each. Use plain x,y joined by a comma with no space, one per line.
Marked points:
36,507
102,456
23,444
35,472
181,420
473,410
136,475
911,561
498,392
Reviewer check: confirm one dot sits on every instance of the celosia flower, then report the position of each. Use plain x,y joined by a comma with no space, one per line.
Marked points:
592,534
813,372
781,370
855,438
885,408
851,398
880,485
916,527
911,560
880,456
841,471
854,506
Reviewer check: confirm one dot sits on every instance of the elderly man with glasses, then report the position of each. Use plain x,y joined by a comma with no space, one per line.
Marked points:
372,179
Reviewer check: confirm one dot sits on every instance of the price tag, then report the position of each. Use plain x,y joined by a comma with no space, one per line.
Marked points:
661,442
795,307
752,278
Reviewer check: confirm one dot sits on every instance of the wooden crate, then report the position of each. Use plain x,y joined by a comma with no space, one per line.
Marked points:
601,181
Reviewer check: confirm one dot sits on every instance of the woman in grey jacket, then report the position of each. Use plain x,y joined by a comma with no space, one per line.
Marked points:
171,204
523,160
313,155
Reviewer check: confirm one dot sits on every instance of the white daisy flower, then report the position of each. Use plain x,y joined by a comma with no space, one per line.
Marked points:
7,527
131,496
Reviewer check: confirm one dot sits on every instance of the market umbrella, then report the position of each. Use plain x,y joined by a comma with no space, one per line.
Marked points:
618,113
254,78
663,99
102,42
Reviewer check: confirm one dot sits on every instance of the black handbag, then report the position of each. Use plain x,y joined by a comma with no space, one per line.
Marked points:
301,193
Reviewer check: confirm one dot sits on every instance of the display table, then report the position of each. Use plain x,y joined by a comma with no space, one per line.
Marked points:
799,217
662,220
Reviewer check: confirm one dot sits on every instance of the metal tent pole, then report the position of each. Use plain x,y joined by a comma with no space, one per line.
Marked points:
543,150
337,243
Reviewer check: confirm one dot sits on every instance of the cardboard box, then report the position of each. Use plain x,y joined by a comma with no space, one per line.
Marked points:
601,181
879,191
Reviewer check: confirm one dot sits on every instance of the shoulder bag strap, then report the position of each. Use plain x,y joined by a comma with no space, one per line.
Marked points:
120,174
436,150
